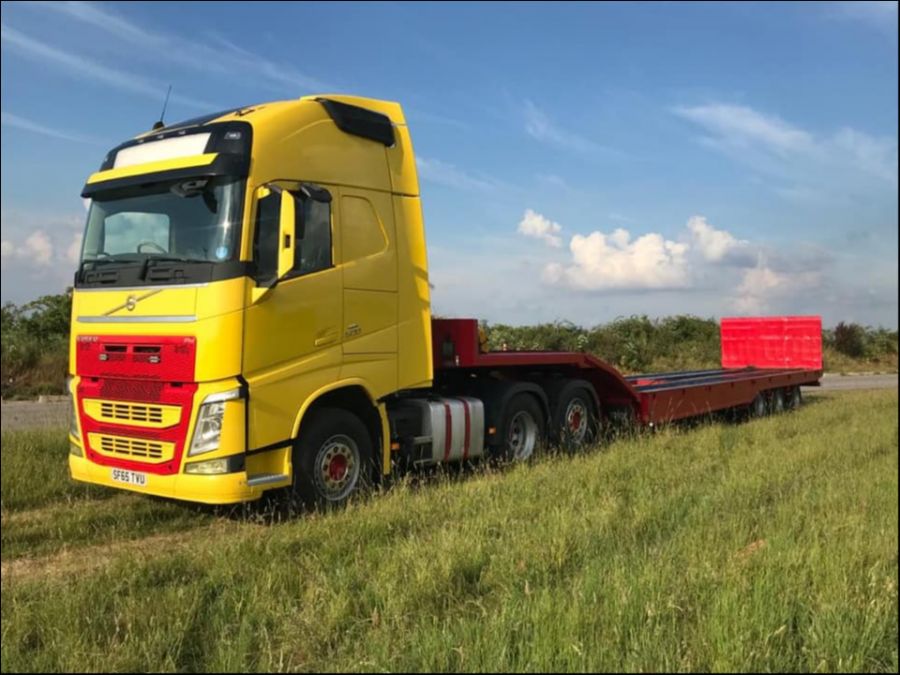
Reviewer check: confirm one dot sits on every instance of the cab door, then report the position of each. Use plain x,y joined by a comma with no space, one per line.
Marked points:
369,262
292,329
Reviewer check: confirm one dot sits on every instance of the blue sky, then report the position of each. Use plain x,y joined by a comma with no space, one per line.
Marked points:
577,162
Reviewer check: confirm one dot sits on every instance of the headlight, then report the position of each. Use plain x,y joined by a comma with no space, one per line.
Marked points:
73,409
208,429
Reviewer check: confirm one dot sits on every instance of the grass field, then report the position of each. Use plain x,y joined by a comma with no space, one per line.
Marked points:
770,545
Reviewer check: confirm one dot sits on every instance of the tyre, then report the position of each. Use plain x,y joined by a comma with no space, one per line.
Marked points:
332,459
574,424
759,407
522,430
794,398
776,401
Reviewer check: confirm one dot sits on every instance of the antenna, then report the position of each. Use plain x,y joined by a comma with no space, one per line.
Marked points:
160,124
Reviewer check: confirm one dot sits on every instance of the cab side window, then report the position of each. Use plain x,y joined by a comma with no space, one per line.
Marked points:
312,229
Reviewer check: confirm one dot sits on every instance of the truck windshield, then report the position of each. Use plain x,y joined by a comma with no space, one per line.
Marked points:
195,220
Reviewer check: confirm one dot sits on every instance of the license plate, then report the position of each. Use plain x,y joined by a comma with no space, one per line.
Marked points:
129,477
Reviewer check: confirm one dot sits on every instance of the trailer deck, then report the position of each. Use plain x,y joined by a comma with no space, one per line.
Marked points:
762,354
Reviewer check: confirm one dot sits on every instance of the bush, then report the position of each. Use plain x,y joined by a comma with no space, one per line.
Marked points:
35,339
35,346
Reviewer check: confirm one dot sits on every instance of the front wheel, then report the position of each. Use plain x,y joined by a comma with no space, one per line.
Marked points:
332,458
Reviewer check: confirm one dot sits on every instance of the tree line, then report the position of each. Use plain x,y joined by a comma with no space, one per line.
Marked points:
35,339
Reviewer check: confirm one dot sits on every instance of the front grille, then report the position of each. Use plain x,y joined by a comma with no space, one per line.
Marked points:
131,448
132,414
137,390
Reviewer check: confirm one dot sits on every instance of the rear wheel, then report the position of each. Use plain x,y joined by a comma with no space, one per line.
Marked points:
776,401
794,398
522,431
332,458
574,424
759,407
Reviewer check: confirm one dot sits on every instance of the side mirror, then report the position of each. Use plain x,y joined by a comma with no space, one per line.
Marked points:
286,239
274,253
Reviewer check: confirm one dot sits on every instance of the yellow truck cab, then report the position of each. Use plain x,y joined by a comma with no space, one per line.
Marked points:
251,312
240,274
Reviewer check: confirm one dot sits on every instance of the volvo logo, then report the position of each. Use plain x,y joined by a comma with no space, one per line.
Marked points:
131,303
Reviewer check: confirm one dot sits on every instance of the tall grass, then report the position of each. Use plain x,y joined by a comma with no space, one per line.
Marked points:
770,545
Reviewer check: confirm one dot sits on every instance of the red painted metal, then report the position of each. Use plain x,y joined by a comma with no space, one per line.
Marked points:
137,369
456,345
454,342
772,342
175,393
171,359
761,354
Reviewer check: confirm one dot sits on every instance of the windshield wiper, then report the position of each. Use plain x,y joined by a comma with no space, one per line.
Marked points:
96,262
152,260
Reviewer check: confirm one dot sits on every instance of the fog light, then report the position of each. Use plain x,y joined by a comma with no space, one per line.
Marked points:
75,449
211,467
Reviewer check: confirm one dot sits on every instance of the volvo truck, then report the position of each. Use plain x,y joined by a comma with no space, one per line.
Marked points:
251,312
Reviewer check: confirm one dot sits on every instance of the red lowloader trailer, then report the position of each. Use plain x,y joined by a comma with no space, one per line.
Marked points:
765,361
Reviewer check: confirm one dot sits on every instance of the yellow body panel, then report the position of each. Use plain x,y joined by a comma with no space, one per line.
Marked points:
194,161
223,489
364,322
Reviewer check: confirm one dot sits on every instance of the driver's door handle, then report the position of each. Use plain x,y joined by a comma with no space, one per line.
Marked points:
327,336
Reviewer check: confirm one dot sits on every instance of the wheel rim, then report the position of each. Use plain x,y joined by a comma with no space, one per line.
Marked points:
336,469
522,437
576,421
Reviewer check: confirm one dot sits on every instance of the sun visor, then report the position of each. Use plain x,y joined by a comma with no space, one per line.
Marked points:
167,148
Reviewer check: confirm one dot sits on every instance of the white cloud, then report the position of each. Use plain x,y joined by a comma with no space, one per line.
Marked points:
37,249
714,245
541,128
614,261
765,289
601,261
220,56
10,120
879,14
835,162
73,252
88,69
448,175
536,226
875,156
743,126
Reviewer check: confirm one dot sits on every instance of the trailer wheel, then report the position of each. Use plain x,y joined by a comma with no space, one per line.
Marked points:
332,458
776,401
522,431
794,398
575,422
759,407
